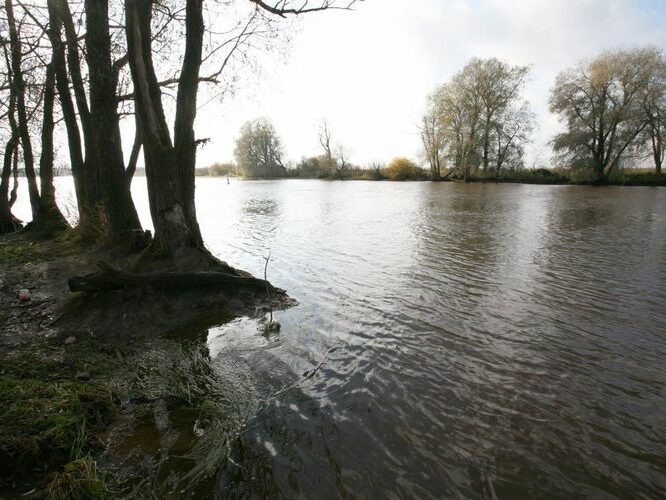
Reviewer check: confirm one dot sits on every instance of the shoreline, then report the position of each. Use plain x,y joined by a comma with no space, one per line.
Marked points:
83,377
651,180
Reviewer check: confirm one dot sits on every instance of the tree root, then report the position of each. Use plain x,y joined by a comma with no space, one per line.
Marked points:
110,278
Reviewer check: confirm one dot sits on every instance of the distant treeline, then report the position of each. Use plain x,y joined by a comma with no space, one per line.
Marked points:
477,126
403,169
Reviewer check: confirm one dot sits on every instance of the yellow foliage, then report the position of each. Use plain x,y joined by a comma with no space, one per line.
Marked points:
403,169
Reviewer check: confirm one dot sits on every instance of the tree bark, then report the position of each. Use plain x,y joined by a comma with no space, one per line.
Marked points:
105,155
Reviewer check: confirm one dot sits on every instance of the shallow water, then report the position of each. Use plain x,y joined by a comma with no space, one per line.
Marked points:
479,340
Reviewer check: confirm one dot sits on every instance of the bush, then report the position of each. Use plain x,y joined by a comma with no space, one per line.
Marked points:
403,169
640,178
221,170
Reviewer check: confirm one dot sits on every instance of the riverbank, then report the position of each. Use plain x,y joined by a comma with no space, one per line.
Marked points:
522,176
112,394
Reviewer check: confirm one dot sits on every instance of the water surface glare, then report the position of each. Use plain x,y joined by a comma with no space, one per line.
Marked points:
480,340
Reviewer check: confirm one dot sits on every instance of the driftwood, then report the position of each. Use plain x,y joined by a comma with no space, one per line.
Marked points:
110,278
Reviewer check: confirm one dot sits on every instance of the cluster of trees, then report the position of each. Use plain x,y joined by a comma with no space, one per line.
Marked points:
86,64
259,154
613,109
478,119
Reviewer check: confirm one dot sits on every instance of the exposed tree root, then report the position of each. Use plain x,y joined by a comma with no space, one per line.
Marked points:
110,278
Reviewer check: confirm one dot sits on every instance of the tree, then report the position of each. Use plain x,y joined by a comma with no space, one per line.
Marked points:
474,119
433,139
170,164
45,212
104,149
17,89
653,137
510,133
326,144
499,86
259,151
601,104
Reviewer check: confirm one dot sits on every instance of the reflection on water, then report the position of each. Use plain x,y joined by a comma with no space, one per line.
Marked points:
493,340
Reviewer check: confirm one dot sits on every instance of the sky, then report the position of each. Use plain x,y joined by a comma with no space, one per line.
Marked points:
368,72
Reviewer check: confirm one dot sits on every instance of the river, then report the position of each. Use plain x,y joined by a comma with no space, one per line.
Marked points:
478,340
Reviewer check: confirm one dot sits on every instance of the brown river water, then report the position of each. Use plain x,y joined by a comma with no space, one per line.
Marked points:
479,341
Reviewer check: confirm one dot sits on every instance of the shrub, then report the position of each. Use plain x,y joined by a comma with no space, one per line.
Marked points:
222,170
404,169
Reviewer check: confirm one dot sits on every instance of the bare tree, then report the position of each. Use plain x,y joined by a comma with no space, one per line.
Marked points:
324,133
342,161
433,140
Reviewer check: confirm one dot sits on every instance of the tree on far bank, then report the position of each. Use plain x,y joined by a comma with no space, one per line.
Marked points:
602,105
259,151
479,119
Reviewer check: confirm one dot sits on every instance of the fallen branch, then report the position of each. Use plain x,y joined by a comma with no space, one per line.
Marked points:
110,278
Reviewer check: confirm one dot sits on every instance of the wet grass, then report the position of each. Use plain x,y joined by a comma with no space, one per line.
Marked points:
71,413
50,418
18,249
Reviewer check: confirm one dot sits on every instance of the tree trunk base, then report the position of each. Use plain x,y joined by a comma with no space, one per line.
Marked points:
10,224
185,258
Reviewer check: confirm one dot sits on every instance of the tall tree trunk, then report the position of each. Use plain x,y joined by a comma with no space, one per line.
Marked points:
8,223
657,149
177,236
50,216
68,110
186,110
13,195
136,149
486,145
90,177
18,90
106,155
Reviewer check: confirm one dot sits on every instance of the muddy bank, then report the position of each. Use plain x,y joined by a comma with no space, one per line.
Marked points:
114,394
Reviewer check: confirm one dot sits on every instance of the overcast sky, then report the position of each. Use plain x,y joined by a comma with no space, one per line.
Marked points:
368,72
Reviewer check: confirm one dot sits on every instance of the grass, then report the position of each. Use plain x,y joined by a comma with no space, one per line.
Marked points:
58,404
79,479
33,247
50,419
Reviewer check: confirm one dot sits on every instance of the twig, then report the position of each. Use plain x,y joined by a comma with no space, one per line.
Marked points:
268,291
308,376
